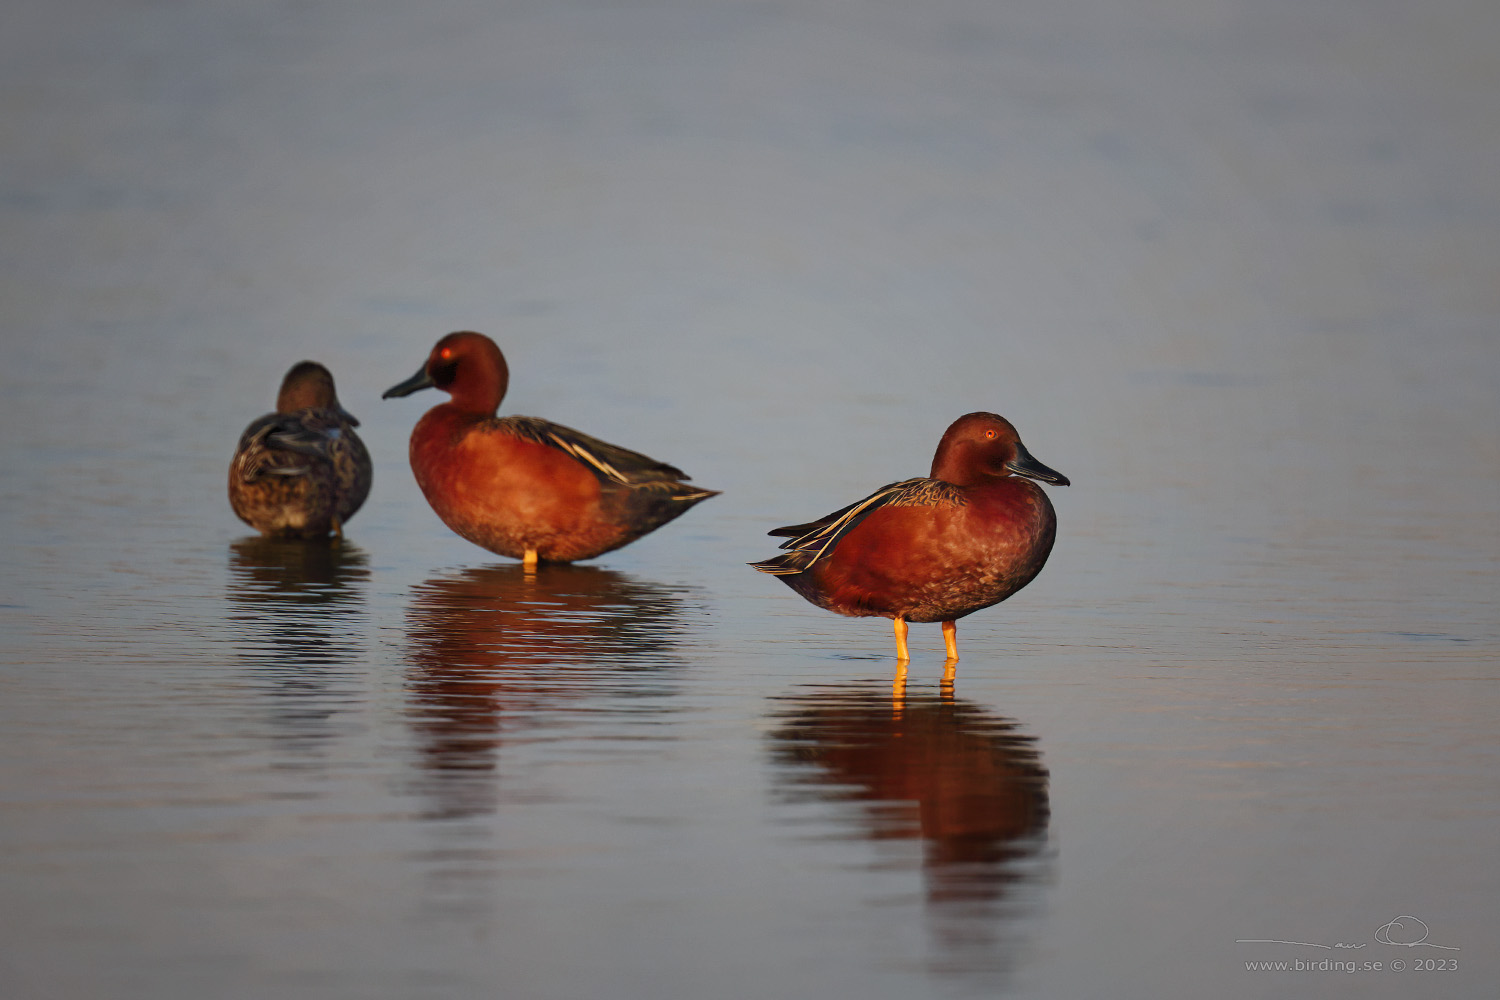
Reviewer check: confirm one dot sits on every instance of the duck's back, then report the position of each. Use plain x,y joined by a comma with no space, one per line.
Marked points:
300,474
513,484
965,550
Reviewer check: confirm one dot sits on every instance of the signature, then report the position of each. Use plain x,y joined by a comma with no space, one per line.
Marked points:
1405,931
1396,932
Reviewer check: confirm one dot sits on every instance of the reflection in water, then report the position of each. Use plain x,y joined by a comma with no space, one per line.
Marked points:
495,650
933,768
295,611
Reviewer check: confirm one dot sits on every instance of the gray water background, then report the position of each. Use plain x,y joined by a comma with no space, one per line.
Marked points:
1233,267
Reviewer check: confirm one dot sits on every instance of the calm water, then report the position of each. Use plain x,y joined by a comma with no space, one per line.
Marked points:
1232,267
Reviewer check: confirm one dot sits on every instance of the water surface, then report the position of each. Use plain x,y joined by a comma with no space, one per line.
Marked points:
1229,267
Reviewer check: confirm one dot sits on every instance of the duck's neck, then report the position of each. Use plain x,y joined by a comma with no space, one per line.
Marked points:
958,467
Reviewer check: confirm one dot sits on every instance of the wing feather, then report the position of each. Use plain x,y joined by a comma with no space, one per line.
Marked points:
609,462
812,541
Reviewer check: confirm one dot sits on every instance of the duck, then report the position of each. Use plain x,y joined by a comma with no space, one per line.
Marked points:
969,535
525,487
302,471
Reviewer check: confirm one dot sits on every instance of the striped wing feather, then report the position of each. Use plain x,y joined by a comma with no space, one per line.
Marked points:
811,541
609,462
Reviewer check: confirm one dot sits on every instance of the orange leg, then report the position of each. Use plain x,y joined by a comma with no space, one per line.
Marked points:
902,656
528,561
950,638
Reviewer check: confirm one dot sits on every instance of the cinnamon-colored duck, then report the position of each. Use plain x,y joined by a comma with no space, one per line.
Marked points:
936,549
301,472
522,486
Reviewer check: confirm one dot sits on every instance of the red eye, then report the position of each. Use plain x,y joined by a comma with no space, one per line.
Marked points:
989,435
446,353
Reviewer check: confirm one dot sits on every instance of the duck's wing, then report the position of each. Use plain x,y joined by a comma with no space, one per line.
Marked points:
609,462
811,541
311,433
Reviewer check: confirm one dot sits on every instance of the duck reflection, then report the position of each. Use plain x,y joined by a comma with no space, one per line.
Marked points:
940,770
295,610
495,651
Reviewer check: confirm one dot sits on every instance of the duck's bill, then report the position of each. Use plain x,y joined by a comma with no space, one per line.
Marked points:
1024,465
421,380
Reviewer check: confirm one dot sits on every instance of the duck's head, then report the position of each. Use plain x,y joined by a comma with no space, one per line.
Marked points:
309,386
980,446
466,365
